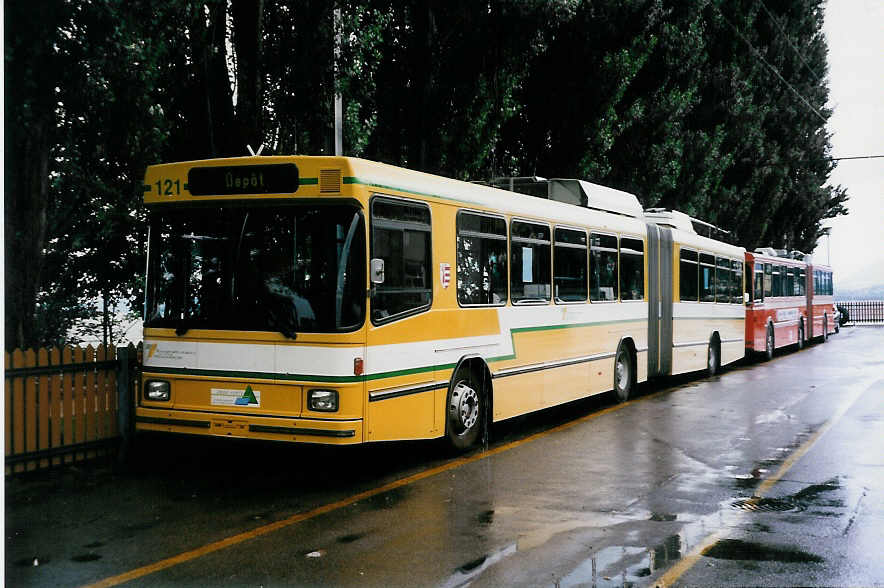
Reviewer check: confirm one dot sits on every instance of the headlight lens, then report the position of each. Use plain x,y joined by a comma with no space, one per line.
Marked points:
322,400
157,390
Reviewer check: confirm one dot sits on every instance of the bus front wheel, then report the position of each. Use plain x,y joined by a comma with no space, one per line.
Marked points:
465,411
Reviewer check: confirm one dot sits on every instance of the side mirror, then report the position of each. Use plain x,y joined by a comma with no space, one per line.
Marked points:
377,271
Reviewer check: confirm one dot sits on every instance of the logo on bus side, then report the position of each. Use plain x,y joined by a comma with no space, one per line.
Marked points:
445,274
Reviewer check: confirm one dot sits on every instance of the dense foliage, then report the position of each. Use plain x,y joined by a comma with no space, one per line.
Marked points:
715,108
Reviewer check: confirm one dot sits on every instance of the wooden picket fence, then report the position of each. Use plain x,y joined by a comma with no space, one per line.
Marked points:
64,405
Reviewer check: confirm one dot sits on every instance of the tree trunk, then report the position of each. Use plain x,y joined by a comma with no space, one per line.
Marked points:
247,37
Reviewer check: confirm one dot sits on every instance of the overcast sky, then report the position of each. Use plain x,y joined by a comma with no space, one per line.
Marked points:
855,31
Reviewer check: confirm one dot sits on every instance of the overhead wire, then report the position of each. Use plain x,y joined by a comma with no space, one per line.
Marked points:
789,41
772,68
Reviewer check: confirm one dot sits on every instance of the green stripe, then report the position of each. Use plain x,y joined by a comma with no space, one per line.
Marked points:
253,375
308,181
361,182
370,377
708,318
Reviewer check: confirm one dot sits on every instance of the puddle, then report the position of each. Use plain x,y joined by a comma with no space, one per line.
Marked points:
734,549
351,538
86,557
486,518
388,499
624,566
32,562
465,574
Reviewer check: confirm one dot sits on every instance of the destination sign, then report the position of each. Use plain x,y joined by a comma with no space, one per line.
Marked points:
274,178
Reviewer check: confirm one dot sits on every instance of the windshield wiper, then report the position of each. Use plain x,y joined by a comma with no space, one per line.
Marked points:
182,327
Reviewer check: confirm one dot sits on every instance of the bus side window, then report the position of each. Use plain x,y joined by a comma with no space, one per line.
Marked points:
802,283
481,259
759,282
776,283
530,270
736,281
722,279
632,269
768,280
603,268
401,237
569,265
707,277
687,280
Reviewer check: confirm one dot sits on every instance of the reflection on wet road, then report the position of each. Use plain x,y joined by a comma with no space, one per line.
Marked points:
768,474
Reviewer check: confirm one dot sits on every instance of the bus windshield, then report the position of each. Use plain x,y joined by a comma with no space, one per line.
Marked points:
283,268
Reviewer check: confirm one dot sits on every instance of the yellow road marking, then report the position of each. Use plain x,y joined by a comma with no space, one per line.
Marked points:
327,508
687,562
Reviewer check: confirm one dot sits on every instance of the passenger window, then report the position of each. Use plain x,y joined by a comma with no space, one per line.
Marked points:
736,282
603,267
687,281
401,238
759,282
530,271
707,277
569,265
776,282
802,282
481,259
722,279
768,280
632,269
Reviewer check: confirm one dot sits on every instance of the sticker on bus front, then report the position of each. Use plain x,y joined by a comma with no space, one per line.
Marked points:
226,397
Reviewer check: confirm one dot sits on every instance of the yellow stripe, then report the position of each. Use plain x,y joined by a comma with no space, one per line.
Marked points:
321,510
675,572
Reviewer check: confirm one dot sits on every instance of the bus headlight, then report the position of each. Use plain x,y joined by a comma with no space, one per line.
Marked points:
322,400
157,391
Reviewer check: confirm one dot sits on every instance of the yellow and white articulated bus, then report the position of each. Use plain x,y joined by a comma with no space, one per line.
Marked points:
340,301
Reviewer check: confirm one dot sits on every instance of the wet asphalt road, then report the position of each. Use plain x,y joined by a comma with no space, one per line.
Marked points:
770,474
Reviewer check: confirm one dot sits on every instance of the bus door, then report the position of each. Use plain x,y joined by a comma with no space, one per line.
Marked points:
660,281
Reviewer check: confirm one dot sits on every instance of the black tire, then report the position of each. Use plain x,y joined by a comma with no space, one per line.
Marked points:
801,335
769,344
713,357
624,374
465,411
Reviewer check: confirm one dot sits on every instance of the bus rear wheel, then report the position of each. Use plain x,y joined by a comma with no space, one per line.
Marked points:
465,411
713,357
624,382
769,343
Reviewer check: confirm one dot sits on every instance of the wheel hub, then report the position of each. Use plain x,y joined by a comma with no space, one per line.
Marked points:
464,409
622,375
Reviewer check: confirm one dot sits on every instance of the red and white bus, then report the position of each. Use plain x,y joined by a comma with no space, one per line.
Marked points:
789,300
821,301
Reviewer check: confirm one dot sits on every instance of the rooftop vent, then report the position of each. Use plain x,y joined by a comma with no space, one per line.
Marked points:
576,192
679,220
